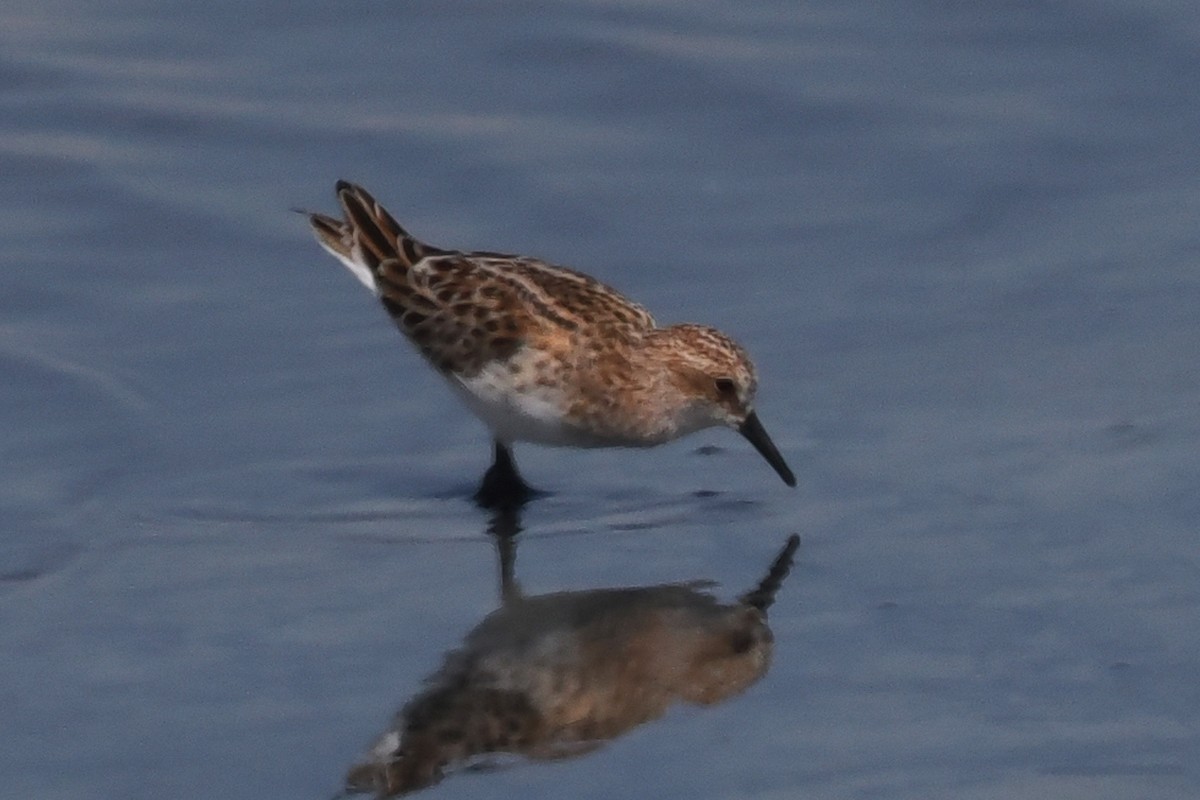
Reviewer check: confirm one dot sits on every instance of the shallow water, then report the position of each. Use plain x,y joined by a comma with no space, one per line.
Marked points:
960,242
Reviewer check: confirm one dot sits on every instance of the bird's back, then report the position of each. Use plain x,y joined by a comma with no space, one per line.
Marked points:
465,309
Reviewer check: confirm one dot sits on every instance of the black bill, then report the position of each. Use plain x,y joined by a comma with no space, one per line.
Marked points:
753,430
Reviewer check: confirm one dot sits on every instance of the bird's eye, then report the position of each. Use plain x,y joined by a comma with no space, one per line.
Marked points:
726,387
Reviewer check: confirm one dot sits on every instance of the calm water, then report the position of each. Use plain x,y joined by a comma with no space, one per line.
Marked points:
960,239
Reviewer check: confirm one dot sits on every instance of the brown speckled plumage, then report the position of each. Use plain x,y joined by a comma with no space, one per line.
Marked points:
543,353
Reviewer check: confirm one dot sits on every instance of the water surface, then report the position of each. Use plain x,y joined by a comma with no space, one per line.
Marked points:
960,242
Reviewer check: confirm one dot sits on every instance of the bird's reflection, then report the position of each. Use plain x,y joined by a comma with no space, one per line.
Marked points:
556,675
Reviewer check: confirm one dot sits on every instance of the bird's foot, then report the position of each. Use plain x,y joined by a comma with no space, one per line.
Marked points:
503,489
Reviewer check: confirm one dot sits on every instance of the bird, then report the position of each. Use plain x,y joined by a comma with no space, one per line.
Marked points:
558,675
543,353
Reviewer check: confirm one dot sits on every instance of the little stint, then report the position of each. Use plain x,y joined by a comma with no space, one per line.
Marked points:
542,353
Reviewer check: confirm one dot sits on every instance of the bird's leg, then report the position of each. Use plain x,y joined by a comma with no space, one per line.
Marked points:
502,485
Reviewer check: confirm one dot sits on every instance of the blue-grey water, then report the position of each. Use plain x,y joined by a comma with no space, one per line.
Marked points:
960,239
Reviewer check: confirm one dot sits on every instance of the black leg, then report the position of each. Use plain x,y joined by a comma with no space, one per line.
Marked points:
502,485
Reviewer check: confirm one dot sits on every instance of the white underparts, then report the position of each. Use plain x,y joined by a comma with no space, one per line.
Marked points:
526,414
356,265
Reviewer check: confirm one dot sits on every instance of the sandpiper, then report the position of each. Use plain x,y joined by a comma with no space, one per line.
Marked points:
557,675
542,353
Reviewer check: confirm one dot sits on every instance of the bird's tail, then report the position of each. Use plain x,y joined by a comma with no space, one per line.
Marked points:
367,237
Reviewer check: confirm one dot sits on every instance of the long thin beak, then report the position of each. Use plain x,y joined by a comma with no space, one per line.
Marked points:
753,430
